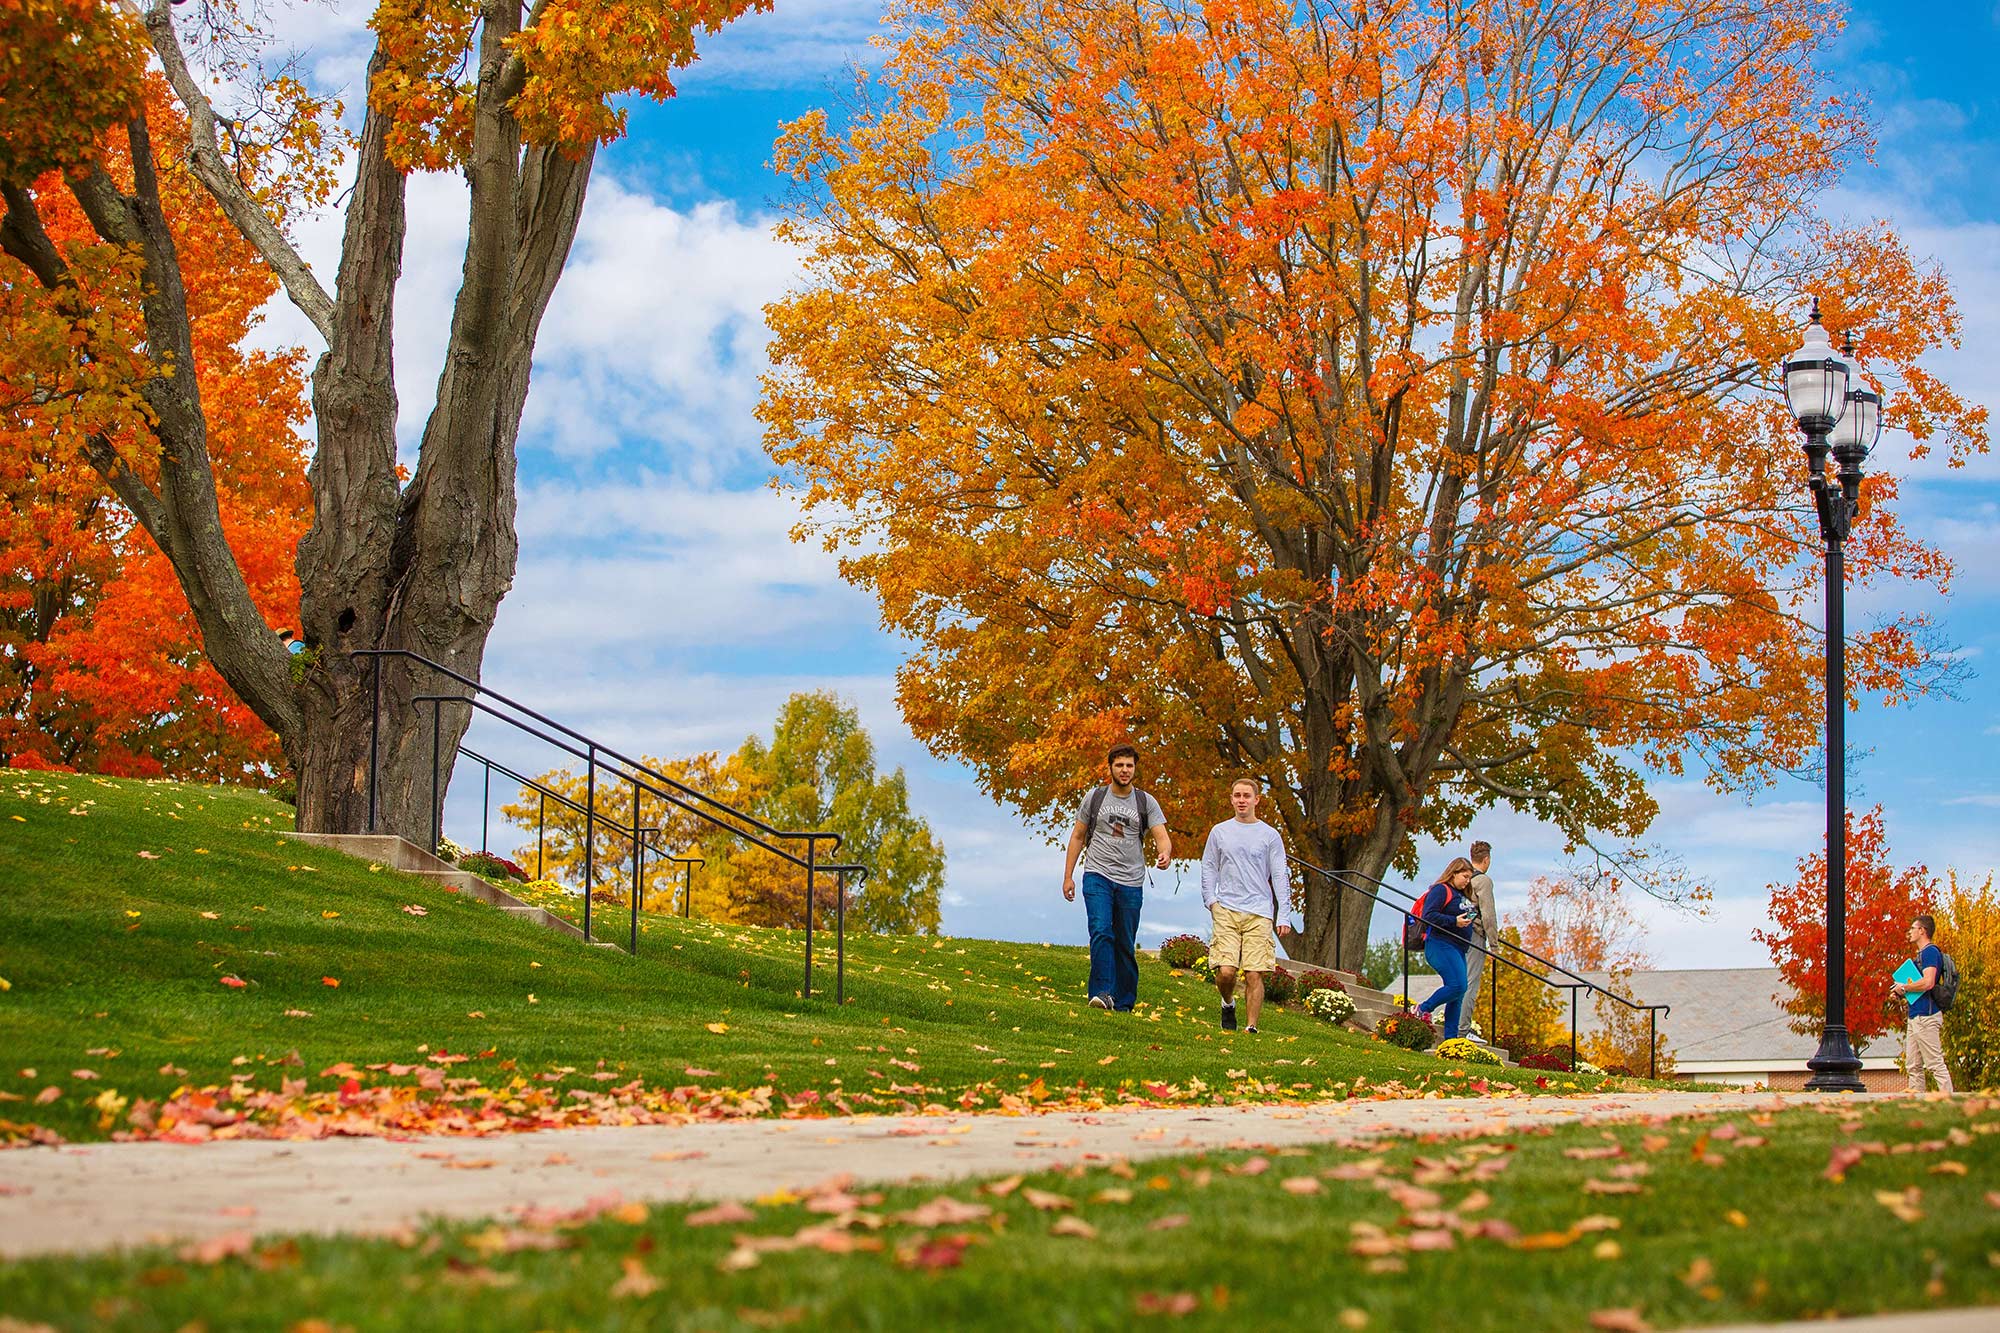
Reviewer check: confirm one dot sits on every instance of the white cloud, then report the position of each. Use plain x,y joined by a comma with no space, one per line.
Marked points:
799,41
656,331
659,565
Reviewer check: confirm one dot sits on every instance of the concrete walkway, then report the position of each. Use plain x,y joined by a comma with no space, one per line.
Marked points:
100,1196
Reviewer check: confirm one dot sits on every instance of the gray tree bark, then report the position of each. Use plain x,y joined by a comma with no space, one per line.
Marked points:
420,568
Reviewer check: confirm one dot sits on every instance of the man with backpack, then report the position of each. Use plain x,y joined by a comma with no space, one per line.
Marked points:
1929,996
1109,835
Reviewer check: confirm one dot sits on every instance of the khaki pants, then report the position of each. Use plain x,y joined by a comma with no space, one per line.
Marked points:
1923,1049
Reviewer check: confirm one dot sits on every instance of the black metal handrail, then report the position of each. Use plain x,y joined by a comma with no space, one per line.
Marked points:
619,766
1523,950
1653,1011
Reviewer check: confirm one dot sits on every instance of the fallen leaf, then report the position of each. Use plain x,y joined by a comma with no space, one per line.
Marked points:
149,856
1073,1226
1736,1218
47,1095
729,1212
716,1027
946,1251
1300,1185
1170,1222
1700,1272
1044,1201
234,983
943,1211
1607,1249
1613,1187
298,1013
1948,1169
217,1248
1624,1320
1175,1303
637,1282
1843,1156
329,981
1353,1318
329,914
415,910
692,1072
211,916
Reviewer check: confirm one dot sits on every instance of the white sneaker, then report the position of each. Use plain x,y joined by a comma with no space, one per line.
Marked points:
1100,1002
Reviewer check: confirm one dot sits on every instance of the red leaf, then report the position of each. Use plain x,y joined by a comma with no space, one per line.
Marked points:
234,983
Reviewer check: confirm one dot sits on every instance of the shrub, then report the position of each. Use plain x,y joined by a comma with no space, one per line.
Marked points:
1407,1029
1280,987
492,867
1462,1051
1543,1060
1333,1005
1183,951
1318,979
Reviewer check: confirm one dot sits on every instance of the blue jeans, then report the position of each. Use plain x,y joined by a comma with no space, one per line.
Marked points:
1113,913
1450,966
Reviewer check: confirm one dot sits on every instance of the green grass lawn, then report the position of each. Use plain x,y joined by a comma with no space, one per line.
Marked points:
129,909
1723,1220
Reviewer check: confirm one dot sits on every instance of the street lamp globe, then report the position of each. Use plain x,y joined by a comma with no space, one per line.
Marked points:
1816,384
1855,434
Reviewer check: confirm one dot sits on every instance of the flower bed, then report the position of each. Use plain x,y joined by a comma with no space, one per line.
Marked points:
1461,1050
1332,1005
1407,1029
489,866
1183,951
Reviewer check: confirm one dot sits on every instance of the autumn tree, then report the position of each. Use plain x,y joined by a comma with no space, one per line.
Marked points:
101,665
1881,901
1968,917
1583,921
555,835
816,772
1516,1005
1372,397
517,101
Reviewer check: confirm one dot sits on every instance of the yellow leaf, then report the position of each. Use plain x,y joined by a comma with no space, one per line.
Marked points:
717,1027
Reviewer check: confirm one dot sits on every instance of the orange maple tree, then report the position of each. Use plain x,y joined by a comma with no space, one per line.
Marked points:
516,100
1375,398
100,658
1881,901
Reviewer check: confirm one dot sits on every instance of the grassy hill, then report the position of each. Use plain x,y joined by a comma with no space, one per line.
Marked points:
160,938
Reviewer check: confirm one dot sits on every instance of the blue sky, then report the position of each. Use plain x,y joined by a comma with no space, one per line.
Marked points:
659,604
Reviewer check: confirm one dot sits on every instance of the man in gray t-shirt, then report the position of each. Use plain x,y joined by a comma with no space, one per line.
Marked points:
1485,931
1109,836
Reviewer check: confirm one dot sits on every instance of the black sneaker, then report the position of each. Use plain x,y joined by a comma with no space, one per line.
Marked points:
1229,1018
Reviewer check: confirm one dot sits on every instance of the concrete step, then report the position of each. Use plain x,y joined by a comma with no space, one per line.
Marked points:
399,854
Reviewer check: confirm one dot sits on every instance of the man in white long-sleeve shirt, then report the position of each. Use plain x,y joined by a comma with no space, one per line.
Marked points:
1243,882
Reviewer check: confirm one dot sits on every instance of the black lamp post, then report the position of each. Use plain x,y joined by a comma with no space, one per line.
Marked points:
1845,422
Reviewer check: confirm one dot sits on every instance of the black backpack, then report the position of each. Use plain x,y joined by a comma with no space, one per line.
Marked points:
1945,989
1095,802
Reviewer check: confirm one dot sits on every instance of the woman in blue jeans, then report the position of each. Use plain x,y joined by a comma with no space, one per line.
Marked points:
1447,912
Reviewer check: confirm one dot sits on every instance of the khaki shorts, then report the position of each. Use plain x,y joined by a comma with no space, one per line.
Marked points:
1243,940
